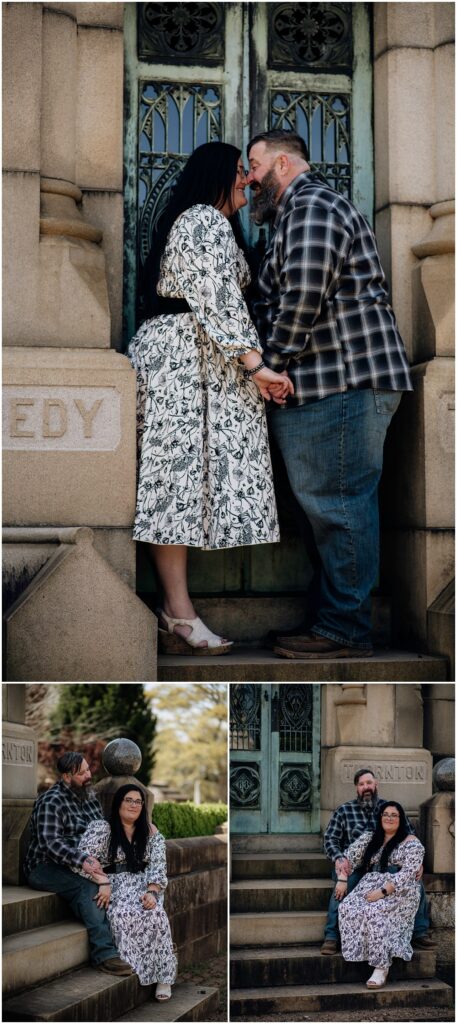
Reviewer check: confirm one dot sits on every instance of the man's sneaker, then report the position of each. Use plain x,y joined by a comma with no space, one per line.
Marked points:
303,647
329,947
425,941
115,966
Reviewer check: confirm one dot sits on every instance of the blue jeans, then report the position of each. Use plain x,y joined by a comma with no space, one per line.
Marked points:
79,893
333,450
331,931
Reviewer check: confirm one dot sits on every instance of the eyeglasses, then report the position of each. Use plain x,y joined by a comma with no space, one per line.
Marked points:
391,817
133,803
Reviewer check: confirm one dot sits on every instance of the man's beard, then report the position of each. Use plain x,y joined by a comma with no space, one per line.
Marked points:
83,792
366,801
264,200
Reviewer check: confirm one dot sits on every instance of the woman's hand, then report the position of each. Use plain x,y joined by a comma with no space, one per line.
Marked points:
341,889
149,900
376,894
103,896
273,385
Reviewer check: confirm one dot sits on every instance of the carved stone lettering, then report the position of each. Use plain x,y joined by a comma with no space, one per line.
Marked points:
388,771
61,418
17,752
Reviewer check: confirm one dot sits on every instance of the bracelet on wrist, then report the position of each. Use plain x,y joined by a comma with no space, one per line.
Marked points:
341,880
255,369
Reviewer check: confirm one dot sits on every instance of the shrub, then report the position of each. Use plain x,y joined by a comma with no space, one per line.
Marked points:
177,821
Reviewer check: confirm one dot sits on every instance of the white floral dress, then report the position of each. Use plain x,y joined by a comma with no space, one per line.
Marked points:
204,474
142,937
378,931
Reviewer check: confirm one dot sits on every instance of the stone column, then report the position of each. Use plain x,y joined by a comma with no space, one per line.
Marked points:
19,757
378,727
414,139
69,399
438,834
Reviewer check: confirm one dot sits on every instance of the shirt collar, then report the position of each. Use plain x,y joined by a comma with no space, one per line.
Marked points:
305,178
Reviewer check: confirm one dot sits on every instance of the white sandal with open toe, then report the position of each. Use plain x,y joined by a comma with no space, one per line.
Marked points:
200,641
378,978
163,992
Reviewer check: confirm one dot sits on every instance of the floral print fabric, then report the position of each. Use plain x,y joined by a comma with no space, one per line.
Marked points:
142,937
204,474
378,931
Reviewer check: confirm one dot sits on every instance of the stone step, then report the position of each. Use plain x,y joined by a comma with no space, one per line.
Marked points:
274,865
25,908
82,995
245,1004
252,665
279,965
280,895
188,1002
276,843
287,929
42,953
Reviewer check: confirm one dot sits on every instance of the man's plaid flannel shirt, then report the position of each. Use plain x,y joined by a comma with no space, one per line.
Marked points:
347,823
58,821
321,308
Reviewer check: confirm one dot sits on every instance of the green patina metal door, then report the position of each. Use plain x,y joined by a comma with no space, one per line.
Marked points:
274,758
196,72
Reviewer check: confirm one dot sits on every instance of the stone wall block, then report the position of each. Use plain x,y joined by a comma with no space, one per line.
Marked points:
404,774
77,621
99,156
59,96
404,110
444,18
403,25
21,75
433,323
105,15
69,427
444,137
105,210
438,830
73,307
439,719
420,458
373,720
418,565
397,228
21,212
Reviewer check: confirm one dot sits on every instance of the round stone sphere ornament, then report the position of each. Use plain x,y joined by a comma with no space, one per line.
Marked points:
444,774
121,757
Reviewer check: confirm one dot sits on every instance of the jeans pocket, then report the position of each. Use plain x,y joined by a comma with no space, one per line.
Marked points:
386,402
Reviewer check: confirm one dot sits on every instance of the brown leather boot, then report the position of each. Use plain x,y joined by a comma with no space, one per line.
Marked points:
115,966
329,947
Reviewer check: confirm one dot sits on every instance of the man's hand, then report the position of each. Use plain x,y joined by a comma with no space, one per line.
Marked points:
420,873
343,866
341,889
92,866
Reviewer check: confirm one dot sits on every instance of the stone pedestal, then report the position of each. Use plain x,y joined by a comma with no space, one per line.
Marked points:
438,832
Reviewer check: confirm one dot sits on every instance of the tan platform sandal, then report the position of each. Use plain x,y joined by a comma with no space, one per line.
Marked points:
378,978
163,992
172,643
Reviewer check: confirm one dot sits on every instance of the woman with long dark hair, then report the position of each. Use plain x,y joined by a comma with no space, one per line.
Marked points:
204,475
131,887
376,919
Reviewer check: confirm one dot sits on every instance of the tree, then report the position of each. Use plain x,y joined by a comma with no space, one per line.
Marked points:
191,741
89,715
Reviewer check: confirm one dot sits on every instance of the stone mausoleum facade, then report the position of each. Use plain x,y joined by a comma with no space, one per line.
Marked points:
93,93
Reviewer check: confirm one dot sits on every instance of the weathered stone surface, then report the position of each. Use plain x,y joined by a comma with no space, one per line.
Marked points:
444,17
196,889
19,759
13,704
24,909
420,563
279,895
78,621
373,714
433,307
83,994
441,637
21,211
73,474
73,310
206,852
42,953
119,549
190,1002
21,76
15,831
59,95
121,757
403,25
249,1003
290,965
444,82
438,829
105,15
99,136
397,228
403,84
105,210
304,927
404,774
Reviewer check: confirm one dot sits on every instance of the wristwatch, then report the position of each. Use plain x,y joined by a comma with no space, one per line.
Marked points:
384,891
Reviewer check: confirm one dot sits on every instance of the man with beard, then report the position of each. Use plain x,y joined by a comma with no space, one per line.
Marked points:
323,317
59,817
347,823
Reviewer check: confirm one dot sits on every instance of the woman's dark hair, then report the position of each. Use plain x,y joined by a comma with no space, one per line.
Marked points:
208,177
378,836
135,850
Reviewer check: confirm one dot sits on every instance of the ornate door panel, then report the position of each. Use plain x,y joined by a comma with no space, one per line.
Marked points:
198,72
274,758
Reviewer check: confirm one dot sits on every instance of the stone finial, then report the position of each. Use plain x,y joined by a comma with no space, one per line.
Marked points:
121,757
444,774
